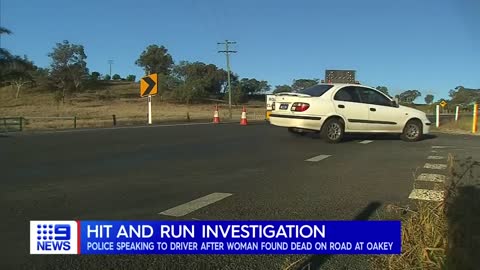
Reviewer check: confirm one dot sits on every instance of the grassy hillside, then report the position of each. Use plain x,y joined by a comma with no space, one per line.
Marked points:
94,108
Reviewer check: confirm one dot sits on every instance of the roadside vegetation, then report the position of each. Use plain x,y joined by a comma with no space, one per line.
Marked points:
442,235
463,125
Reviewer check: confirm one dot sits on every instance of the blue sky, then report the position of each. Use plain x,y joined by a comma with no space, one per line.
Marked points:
431,46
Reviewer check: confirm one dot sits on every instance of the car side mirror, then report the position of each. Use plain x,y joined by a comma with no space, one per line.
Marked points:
395,104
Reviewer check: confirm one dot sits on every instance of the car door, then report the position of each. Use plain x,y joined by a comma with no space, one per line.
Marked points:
383,115
348,104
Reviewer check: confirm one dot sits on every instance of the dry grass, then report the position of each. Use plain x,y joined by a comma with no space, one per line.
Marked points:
424,235
464,123
424,238
440,235
95,108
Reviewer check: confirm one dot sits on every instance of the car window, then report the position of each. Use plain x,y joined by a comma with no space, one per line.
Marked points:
348,93
316,90
371,96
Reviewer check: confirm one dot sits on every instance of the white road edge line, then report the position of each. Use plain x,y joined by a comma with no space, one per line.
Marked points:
189,207
436,157
426,195
318,158
365,142
435,166
431,177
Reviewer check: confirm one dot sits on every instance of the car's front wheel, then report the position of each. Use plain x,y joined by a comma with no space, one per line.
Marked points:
333,130
413,131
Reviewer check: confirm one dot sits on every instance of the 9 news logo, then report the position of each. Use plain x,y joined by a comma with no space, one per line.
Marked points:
53,237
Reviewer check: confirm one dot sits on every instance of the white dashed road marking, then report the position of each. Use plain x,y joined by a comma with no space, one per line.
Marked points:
431,177
426,195
318,158
439,146
194,205
435,157
435,166
365,142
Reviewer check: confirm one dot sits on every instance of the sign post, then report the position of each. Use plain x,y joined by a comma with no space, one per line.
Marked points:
149,87
437,116
149,109
456,112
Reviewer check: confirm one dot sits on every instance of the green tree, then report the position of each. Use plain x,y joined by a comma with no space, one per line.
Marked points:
253,86
20,72
131,78
69,66
282,88
464,96
41,78
95,76
300,84
383,89
245,87
202,79
155,59
107,77
5,56
116,77
429,98
4,30
409,96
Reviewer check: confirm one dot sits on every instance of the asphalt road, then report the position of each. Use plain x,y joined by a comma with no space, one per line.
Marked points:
137,173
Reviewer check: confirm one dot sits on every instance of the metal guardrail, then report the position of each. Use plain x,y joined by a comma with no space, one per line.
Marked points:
11,124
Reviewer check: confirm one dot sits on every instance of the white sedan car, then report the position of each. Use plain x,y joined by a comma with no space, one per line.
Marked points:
336,109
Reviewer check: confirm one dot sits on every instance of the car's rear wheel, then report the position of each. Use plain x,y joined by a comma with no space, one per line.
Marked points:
333,130
413,131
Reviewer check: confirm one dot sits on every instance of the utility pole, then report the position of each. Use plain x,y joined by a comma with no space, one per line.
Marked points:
227,52
110,62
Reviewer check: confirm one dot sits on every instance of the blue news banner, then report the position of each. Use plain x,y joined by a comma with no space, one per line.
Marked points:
215,237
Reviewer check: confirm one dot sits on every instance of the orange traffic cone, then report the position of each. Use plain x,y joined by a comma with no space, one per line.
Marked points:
243,120
216,118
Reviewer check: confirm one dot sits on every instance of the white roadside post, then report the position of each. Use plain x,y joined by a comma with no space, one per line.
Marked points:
457,108
437,116
149,109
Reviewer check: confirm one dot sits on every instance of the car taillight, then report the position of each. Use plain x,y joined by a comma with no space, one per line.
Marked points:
300,106
273,106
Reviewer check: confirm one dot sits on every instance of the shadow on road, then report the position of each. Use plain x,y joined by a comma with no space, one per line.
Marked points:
463,214
374,137
316,261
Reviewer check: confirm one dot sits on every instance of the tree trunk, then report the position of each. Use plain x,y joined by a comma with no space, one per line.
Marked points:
18,91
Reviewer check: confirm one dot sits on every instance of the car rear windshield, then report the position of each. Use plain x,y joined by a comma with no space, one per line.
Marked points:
316,90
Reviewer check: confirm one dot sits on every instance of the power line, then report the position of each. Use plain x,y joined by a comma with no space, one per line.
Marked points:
227,53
